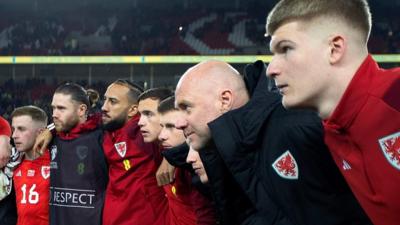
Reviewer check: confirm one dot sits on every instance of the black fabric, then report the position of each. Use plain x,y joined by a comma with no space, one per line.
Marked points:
78,180
252,138
8,210
231,203
176,156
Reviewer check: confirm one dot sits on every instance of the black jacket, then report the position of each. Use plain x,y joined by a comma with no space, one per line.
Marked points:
8,210
280,153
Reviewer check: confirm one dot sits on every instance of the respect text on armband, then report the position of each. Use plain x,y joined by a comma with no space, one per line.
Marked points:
68,197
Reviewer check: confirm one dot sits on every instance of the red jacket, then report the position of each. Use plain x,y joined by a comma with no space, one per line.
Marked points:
187,206
363,135
179,199
5,128
132,196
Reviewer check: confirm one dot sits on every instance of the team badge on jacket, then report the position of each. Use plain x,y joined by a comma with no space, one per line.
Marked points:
390,146
286,166
45,172
121,148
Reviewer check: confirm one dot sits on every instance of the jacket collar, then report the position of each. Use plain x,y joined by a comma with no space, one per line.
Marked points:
126,129
354,97
90,124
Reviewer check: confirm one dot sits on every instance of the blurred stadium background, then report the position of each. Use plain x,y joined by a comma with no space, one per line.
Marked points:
93,42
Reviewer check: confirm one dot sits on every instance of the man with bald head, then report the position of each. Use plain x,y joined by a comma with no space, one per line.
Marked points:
206,91
251,145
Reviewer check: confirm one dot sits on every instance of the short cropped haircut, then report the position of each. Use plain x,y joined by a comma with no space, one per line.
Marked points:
156,94
356,13
37,114
134,89
77,93
167,105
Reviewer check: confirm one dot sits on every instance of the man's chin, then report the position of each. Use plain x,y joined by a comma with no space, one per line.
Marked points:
148,139
58,129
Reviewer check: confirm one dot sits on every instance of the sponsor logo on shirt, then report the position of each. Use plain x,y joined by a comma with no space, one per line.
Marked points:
82,151
45,172
19,173
286,166
121,148
390,146
31,173
75,198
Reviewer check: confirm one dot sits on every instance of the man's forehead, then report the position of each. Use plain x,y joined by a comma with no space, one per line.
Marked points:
61,99
148,104
170,115
22,118
285,31
183,97
116,91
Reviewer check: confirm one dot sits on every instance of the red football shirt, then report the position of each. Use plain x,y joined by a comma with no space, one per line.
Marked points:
132,196
32,188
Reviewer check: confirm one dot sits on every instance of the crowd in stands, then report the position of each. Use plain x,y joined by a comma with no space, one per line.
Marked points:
134,31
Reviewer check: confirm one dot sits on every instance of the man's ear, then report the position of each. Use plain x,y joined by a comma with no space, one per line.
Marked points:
82,110
337,46
133,110
226,101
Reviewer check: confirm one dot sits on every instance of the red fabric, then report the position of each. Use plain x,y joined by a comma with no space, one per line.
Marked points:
91,123
179,193
132,196
367,113
5,128
32,189
186,205
203,208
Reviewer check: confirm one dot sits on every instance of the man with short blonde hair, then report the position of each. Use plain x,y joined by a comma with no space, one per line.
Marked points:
32,176
321,62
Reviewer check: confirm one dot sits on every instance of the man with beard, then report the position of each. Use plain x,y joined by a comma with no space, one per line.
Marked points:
277,157
78,170
132,188
133,196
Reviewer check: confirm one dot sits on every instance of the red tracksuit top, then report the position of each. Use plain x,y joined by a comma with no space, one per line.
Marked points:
32,189
179,199
132,196
363,135
187,206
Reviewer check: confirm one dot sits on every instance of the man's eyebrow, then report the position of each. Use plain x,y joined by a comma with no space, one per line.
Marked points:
184,103
275,45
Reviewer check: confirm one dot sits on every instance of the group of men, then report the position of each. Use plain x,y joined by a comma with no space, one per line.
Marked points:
314,138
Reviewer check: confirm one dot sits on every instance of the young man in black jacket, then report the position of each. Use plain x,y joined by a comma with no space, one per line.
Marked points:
276,157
